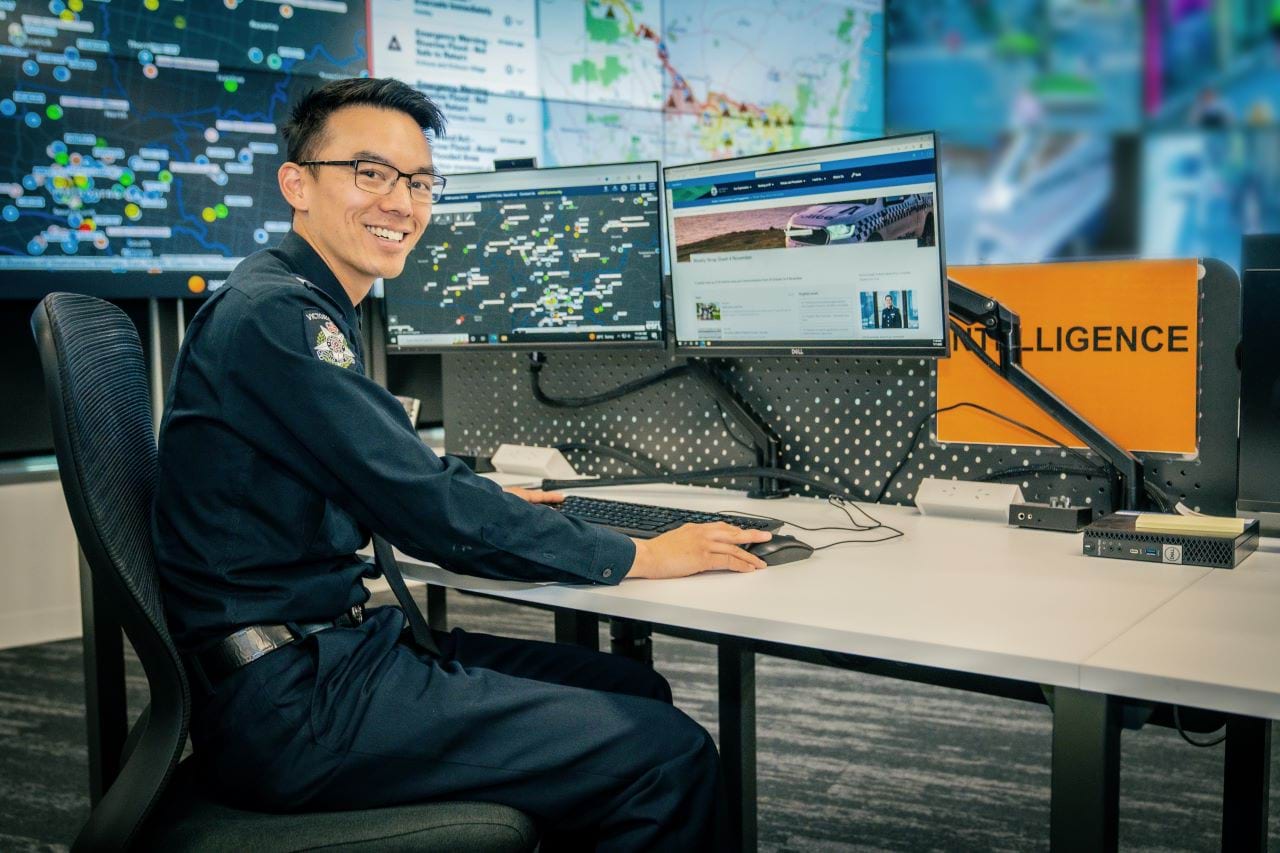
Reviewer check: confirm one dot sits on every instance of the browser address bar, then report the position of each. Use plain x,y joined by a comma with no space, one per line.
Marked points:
788,170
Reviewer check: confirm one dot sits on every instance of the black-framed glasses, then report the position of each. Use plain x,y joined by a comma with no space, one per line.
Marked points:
379,178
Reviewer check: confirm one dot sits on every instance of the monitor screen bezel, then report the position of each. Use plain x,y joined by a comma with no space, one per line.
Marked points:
805,349
20,284
1255,430
660,343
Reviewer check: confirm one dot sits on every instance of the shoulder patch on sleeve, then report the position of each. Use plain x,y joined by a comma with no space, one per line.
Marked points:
326,339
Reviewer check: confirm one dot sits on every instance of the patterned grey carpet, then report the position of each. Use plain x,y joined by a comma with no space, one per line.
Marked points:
846,761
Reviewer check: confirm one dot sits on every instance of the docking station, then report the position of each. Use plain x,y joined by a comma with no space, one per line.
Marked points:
1067,519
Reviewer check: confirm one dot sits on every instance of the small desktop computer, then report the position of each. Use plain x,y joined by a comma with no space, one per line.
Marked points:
831,251
535,259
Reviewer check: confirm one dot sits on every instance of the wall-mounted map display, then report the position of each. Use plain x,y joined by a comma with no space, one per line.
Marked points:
612,80
144,136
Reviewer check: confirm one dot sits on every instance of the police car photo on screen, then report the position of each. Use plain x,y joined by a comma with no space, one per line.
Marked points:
821,251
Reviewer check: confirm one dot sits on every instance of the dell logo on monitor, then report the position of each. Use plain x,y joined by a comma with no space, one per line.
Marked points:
797,351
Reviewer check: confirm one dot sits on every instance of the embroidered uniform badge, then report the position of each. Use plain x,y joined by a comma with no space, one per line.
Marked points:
327,340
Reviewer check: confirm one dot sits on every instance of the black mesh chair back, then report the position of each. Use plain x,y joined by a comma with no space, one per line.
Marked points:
96,380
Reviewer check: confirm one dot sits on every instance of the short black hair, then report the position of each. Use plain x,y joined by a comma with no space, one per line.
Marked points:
304,132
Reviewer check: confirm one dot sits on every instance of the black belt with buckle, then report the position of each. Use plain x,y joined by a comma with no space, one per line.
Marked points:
248,644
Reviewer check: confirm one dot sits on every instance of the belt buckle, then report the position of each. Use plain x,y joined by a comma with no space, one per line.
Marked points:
356,613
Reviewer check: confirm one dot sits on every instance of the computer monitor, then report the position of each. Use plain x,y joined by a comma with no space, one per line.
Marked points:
142,147
821,251
1259,443
535,258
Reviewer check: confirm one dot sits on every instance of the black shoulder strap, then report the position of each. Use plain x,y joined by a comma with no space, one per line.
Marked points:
386,559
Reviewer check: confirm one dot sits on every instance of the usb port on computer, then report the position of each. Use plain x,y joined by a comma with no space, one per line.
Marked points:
1151,552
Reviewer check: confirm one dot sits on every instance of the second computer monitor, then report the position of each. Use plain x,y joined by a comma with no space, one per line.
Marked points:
535,258
822,251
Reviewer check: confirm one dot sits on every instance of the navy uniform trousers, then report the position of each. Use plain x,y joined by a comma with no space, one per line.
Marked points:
586,743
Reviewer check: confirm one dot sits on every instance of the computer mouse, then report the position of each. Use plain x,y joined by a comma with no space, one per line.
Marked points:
781,549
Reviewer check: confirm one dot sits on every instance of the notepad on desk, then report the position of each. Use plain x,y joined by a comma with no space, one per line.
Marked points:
1214,525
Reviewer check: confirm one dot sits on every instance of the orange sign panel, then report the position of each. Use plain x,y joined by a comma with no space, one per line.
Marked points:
1118,341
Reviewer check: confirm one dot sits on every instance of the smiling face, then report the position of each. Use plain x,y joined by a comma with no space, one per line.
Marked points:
360,235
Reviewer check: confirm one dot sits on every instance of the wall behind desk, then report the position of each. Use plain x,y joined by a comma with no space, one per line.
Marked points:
849,422
844,422
26,431
39,580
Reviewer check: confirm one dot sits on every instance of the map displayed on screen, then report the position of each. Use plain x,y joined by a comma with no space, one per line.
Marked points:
318,38
535,257
146,133
773,79
145,136
639,79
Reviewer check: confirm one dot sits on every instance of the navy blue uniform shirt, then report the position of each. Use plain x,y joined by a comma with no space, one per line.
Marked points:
278,455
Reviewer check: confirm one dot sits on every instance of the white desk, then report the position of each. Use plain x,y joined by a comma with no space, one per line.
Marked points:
969,597
976,597
1215,645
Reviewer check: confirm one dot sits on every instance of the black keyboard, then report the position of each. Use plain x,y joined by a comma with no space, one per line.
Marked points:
645,521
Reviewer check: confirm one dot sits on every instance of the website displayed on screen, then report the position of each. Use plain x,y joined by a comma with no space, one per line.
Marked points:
832,250
536,257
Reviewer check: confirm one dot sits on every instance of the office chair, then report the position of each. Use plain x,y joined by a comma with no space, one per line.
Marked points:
103,435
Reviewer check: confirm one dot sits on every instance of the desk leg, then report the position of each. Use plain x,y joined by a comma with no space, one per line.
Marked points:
738,741
437,607
1084,805
577,628
104,694
631,639
1246,784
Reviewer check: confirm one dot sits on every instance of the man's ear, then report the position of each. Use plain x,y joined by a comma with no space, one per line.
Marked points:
293,186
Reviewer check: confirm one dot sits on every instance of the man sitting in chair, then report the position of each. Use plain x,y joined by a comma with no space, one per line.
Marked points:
278,457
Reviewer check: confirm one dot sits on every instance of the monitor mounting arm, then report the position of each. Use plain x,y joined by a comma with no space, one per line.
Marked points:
1001,325
766,444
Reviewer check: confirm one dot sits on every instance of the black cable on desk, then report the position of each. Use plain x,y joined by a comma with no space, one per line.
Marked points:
833,495
1163,502
645,466
728,429
842,504
1033,470
537,361
915,437
734,473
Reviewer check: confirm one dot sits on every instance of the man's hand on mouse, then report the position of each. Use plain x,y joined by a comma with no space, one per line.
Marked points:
695,548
